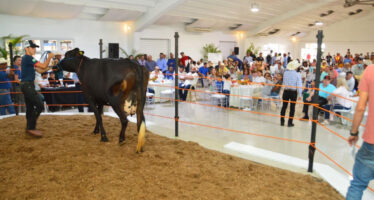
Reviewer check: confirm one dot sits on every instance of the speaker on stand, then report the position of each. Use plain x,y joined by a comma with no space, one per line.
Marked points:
113,50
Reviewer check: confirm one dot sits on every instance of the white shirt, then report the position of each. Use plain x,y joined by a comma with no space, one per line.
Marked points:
259,79
351,84
234,75
227,85
273,68
192,82
343,92
160,76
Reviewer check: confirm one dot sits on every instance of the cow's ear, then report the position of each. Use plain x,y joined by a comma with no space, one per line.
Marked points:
81,53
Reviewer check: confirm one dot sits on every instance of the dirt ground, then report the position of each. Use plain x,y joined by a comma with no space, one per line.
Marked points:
69,162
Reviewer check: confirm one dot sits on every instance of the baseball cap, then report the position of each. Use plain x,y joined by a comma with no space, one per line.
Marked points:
29,43
327,78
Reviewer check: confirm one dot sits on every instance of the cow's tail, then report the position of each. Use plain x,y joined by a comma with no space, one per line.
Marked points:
141,138
140,114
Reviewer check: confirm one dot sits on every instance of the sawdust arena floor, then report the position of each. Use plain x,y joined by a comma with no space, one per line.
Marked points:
69,162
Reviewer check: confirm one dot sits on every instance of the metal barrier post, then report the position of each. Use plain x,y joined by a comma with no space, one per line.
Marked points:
101,48
10,45
176,117
312,149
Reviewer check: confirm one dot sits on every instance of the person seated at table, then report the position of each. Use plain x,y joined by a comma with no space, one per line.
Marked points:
169,75
246,76
234,73
341,96
156,75
187,81
67,80
258,78
325,89
43,81
53,82
277,81
226,88
222,70
268,84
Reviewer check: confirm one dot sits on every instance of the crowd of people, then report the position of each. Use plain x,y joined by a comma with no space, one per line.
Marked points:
10,79
340,76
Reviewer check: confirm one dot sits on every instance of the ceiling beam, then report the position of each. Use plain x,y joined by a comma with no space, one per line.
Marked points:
153,14
102,4
288,15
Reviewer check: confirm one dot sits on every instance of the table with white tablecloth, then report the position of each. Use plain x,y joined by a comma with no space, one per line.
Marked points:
237,92
159,87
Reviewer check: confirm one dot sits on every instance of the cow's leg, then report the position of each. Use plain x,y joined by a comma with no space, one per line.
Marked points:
100,109
99,122
118,108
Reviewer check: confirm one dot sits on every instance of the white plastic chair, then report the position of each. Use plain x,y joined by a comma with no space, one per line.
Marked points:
246,97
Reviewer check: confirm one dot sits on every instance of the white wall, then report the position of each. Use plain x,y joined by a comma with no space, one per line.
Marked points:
284,44
85,33
190,43
355,33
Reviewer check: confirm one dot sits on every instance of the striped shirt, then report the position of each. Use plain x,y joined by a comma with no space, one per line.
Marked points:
292,78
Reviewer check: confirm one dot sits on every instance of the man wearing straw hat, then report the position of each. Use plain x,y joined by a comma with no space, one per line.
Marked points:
363,169
293,79
34,104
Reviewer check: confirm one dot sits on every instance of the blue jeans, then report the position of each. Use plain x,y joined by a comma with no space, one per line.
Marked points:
183,93
363,171
337,106
227,97
274,94
5,99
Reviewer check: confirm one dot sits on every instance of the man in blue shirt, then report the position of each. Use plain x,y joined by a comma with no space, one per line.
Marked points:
203,73
162,63
150,64
171,61
17,97
34,104
169,75
5,85
293,79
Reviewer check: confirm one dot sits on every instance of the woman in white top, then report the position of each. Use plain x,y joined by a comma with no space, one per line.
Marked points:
340,96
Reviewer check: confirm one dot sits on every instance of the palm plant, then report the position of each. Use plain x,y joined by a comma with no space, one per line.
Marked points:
210,48
133,52
14,41
253,49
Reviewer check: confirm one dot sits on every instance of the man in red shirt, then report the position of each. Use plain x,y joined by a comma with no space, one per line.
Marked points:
184,58
363,170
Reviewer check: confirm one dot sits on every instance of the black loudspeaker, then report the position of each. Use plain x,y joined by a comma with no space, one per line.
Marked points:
236,50
113,50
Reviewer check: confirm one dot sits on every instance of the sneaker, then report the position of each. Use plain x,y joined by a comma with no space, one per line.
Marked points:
306,118
326,122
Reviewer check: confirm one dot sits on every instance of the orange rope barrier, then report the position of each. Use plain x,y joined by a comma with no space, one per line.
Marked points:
337,164
325,110
335,133
231,130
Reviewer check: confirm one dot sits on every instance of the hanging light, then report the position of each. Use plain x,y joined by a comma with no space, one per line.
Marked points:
319,23
254,7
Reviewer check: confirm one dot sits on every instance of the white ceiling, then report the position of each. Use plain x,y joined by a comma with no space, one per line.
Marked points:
290,16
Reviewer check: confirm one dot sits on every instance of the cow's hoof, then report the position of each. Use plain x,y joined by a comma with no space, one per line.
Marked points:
121,142
141,150
95,132
104,139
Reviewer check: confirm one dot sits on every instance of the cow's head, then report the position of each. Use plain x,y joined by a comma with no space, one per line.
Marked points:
72,60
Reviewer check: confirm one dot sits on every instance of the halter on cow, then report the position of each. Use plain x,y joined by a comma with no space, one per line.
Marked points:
120,83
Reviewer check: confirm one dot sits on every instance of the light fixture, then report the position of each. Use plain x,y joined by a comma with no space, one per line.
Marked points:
319,23
254,7
294,39
126,28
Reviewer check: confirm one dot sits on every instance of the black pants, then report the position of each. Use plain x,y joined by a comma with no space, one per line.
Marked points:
288,95
321,102
34,104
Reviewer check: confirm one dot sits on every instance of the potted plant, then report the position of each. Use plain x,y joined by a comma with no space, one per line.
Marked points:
253,49
209,48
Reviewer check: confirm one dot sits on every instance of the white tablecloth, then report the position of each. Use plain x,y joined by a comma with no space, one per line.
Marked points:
158,87
244,90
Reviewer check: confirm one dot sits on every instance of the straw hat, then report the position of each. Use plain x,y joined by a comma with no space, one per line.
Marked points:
293,65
